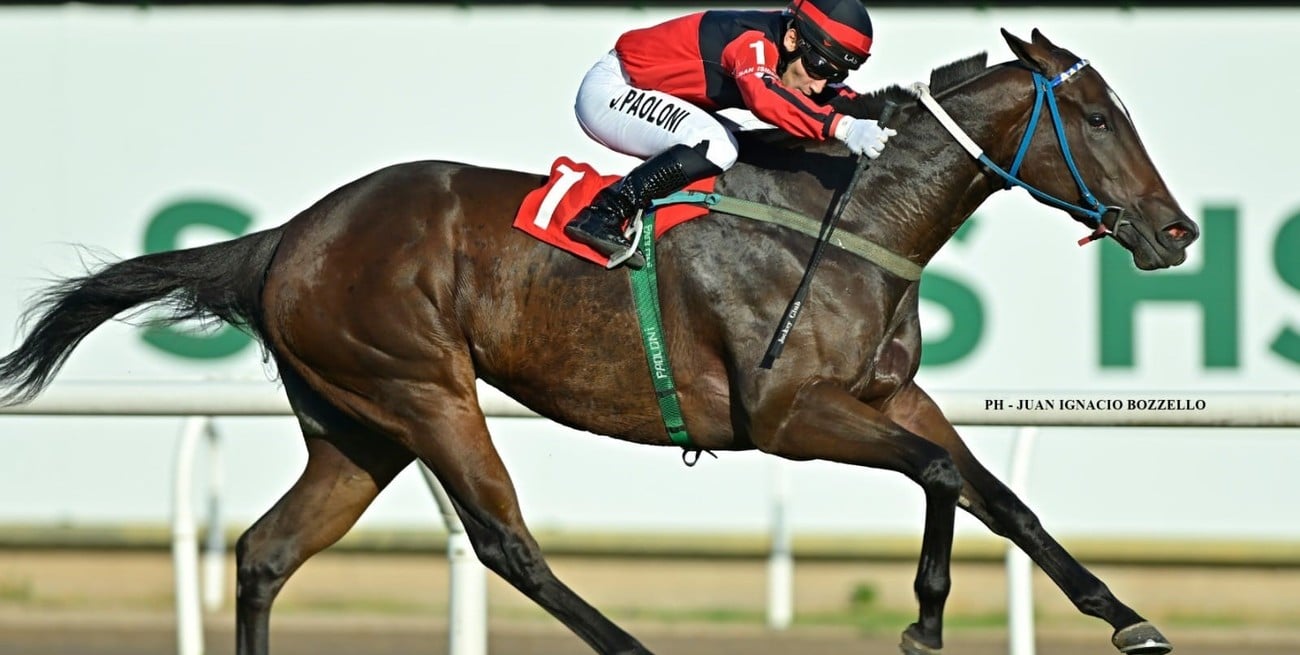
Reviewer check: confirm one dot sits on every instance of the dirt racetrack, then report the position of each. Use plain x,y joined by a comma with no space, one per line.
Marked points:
155,635
114,603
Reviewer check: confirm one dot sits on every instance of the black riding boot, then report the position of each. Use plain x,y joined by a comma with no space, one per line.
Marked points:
601,224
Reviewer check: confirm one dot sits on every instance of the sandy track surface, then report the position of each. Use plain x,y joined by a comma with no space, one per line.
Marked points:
97,603
138,635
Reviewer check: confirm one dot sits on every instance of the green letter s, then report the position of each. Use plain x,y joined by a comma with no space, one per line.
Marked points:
1285,247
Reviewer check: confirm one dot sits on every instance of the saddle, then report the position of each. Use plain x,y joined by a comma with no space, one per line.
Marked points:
571,187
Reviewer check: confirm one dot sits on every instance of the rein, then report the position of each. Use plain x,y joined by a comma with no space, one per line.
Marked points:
1044,90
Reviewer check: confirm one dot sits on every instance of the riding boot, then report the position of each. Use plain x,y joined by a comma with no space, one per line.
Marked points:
601,225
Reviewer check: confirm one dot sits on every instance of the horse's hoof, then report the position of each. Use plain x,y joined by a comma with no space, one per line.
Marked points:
912,644
1141,639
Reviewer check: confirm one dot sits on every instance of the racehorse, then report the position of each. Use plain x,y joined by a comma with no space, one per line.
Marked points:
382,303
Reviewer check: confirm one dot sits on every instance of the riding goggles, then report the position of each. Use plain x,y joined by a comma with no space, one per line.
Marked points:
818,66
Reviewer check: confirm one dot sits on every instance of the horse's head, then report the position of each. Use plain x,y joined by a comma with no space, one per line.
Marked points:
1132,202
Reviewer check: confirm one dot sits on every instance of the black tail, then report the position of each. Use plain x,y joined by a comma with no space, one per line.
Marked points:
221,281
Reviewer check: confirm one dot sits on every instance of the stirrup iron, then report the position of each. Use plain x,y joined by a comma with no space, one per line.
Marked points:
633,234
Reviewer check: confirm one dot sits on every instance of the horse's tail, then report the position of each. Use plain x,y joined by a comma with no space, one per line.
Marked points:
222,281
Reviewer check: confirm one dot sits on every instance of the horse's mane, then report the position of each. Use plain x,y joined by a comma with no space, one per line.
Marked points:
958,72
754,143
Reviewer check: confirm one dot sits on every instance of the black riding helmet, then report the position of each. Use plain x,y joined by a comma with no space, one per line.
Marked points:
834,36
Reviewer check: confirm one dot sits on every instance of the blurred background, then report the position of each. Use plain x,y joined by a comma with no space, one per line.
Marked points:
135,127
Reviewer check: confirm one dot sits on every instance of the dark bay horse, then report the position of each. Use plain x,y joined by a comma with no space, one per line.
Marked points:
382,303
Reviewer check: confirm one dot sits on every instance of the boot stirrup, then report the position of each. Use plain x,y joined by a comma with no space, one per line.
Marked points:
633,234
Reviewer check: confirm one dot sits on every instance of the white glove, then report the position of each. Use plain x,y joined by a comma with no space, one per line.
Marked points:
863,136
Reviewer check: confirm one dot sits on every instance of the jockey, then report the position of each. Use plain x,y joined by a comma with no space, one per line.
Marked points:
653,96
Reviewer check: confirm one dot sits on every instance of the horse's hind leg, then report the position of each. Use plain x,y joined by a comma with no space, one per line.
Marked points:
346,468
442,424
986,498
454,442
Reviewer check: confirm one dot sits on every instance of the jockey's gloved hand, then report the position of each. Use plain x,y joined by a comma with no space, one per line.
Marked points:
863,136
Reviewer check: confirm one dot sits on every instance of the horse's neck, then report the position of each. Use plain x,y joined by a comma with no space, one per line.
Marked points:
913,201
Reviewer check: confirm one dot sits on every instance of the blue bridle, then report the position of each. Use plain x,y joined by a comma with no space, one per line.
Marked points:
1043,94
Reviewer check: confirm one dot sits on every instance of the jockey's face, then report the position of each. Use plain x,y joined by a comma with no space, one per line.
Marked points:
795,77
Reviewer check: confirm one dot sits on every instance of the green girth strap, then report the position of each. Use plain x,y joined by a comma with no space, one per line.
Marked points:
645,285
868,250
645,291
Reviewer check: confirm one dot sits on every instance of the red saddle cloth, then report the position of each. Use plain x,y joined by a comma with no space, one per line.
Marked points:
546,210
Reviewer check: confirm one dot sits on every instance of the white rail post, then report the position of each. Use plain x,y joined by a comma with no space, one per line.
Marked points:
214,545
1020,582
780,560
467,620
185,550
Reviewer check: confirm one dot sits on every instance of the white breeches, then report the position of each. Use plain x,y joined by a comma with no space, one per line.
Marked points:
645,123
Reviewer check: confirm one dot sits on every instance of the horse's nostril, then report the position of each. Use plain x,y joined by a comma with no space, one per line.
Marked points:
1180,231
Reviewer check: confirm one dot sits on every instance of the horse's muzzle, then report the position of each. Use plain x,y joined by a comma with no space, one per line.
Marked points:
1154,245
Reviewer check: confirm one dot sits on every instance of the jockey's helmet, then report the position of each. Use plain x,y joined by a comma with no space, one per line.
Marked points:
834,36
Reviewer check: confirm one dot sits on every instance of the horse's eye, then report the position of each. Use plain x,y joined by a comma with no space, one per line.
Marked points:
1097,121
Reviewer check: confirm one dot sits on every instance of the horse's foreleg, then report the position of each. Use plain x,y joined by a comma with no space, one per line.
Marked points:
825,422
986,498
343,475
454,443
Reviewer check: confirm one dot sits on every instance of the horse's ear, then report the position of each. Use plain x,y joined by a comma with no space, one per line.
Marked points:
1034,55
1041,40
